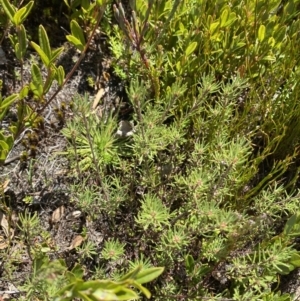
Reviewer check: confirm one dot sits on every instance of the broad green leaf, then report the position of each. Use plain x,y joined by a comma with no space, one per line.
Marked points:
77,32
295,260
9,9
41,53
44,42
191,48
284,268
148,275
261,32
75,42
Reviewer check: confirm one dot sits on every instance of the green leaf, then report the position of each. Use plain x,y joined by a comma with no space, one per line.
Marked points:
271,42
148,275
4,149
191,48
102,294
18,15
144,290
295,260
8,101
37,82
41,53
24,92
283,268
9,9
213,27
290,224
231,19
224,17
44,42
4,105
77,32
261,32
189,263
51,76
132,274
77,271
77,43
56,53
28,8
22,38
125,294
60,75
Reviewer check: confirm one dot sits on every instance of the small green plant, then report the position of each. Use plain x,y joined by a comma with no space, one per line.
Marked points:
29,109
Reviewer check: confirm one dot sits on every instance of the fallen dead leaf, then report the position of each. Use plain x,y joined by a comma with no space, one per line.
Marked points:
4,224
98,96
76,242
4,186
57,214
3,243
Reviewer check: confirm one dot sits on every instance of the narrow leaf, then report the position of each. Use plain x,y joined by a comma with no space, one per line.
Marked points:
60,75
191,48
22,41
18,15
9,9
56,53
261,32
125,294
8,101
37,82
41,53
28,8
232,17
213,27
77,32
148,275
44,42
132,274
144,290
224,17
75,42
